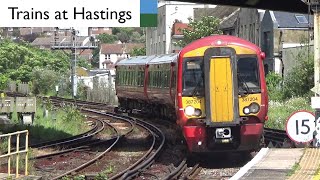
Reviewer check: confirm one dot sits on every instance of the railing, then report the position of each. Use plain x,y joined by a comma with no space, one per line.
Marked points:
17,152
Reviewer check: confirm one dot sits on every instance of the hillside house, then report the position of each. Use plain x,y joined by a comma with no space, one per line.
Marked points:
111,53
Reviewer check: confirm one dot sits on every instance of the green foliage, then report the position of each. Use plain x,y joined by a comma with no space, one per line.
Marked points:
128,34
95,57
3,145
80,177
297,83
73,114
3,81
19,59
124,37
279,111
294,169
101,176
106,38
274,86
59,123
138,52
300,79
206,26
290,93
83,63
44,80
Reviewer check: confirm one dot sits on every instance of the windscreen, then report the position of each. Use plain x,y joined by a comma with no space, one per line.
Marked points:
248,74
193,77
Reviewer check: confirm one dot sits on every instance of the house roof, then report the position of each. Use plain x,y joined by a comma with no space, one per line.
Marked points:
229,21
219,11
289,20
29,30
119,48
177,28
43,41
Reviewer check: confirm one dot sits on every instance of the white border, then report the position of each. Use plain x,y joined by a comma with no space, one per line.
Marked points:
249,165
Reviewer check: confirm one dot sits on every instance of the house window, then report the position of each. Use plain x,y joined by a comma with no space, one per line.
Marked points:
301,19
108,56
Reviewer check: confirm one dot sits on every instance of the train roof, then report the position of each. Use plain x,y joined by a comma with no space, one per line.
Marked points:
136,60
228,39
166,58
154,59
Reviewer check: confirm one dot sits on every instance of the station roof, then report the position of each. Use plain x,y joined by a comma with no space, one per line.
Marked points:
297,6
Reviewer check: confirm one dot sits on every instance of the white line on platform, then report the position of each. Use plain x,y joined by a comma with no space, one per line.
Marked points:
249,165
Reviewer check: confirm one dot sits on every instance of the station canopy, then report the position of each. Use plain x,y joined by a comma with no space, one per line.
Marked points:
297,6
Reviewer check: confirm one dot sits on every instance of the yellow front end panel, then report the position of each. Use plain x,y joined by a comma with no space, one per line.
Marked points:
221,90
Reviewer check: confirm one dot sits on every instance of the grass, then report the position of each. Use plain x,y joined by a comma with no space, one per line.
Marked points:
317,173
279,111
59,123
294,168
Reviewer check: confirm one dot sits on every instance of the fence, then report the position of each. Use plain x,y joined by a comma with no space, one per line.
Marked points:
17,152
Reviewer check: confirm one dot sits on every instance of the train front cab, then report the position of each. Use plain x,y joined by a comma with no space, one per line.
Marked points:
223,98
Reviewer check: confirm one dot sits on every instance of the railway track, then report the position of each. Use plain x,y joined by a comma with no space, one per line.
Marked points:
277,138
132,171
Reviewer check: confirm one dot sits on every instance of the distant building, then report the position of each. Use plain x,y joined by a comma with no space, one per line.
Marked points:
282,30
159,39
177,35
94,31
48,42
111,53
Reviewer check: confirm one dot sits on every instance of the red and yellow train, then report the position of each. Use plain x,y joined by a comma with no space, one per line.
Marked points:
214,89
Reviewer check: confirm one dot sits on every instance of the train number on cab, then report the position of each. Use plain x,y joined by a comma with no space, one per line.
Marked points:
193,101
249,99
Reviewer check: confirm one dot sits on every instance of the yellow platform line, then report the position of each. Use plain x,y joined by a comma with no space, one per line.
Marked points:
309,164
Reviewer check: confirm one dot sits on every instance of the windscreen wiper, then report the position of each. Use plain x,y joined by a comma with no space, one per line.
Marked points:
243,84
197,85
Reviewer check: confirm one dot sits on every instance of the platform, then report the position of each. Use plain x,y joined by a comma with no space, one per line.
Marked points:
281,164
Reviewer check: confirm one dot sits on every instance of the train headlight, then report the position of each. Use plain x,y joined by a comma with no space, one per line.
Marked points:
189,110
254,108
197,112
246,110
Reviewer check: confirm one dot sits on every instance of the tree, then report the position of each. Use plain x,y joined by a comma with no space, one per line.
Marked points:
206,26
106,38
123,36
138,52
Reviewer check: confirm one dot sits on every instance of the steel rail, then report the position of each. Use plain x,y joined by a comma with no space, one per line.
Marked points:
193,172
149,161
177,171
96,158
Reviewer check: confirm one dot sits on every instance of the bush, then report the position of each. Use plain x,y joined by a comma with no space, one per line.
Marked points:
274,84
44,81
300,79
297,83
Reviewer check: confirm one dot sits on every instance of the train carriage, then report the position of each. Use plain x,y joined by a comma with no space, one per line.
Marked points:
214,89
